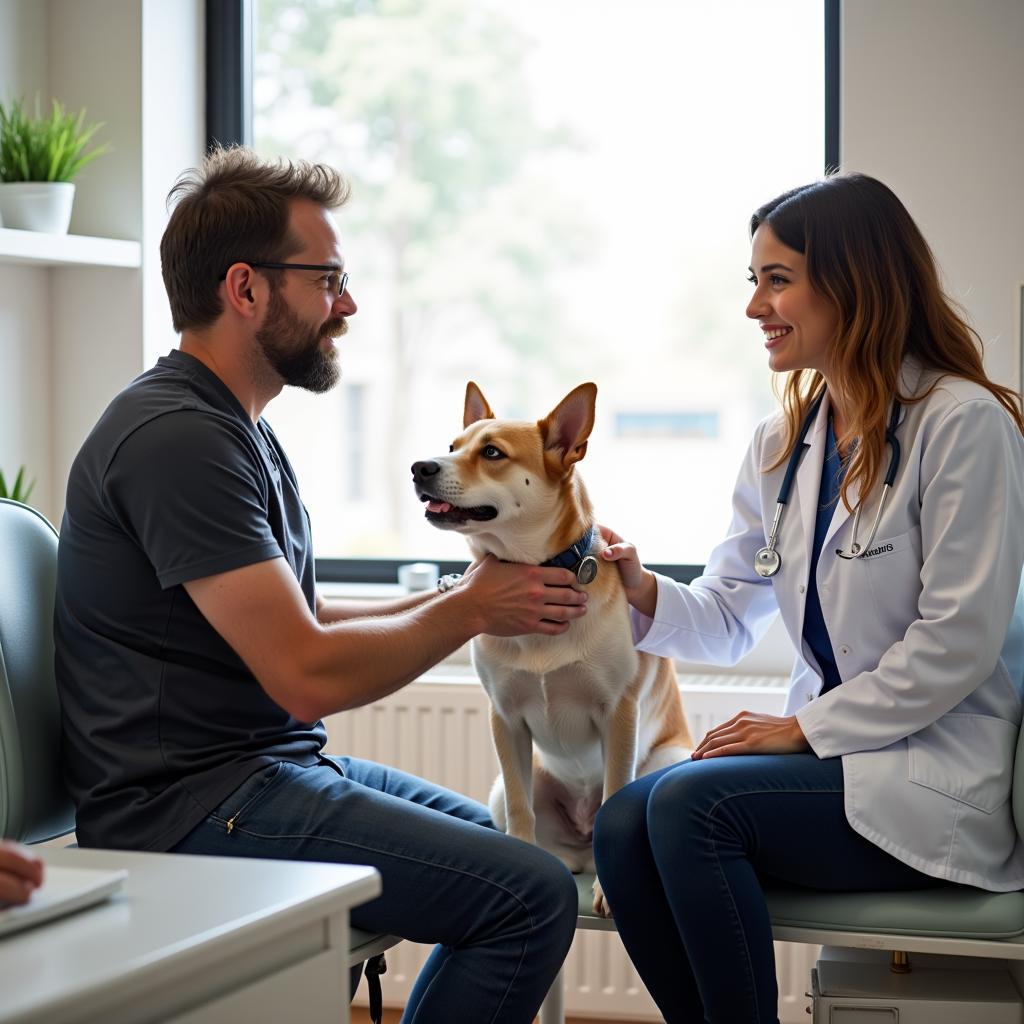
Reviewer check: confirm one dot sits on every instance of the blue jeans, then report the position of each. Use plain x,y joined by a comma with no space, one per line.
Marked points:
502,912
681,854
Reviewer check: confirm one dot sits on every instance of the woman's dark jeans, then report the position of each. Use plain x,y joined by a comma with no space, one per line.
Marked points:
681,854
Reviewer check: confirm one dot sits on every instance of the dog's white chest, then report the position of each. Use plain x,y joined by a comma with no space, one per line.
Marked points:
566,733
563,706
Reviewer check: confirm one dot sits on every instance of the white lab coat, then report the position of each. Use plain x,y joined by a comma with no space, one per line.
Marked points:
927,716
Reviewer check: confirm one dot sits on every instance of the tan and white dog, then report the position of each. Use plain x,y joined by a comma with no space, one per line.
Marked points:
576,716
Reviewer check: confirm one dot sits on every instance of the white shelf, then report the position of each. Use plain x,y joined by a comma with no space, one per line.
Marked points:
44,250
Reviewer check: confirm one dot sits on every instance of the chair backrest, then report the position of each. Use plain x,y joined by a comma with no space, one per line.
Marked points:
34,805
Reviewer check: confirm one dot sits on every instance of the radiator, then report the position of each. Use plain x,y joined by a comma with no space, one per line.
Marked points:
438,728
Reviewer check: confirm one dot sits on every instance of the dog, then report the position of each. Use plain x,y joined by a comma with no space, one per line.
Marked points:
574,717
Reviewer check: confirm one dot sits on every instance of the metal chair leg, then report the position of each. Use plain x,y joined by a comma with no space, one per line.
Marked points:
552,1010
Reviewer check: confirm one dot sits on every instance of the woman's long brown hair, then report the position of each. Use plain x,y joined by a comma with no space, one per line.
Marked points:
866,255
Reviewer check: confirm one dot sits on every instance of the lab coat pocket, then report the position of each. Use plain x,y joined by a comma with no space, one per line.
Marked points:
966,757
894,573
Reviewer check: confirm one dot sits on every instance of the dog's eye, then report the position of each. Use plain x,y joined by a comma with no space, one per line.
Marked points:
451,447
490,452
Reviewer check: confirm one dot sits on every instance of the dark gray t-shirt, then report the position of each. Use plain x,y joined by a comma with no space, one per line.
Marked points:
161,719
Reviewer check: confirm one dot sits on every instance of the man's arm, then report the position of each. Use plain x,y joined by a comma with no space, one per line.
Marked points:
333,610
312,669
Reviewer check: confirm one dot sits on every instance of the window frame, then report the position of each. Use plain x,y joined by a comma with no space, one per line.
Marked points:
229,65
229,120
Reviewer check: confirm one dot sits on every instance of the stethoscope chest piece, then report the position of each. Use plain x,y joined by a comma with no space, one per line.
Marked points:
767,562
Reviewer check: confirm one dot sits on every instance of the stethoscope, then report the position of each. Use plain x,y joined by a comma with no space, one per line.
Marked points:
767,561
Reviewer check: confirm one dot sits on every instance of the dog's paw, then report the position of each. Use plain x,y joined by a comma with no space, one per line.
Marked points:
601,907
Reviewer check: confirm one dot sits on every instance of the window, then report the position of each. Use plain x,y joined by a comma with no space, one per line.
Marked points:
544,193
651,423
355,460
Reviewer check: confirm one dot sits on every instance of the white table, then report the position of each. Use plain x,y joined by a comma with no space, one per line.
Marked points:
191,940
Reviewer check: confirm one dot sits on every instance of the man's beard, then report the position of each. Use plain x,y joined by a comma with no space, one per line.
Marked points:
293,348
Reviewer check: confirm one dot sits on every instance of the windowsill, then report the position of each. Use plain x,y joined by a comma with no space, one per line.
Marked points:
361,591
456,668
769,662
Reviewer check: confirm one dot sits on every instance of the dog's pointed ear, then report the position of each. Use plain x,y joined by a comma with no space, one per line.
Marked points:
476,407
566,428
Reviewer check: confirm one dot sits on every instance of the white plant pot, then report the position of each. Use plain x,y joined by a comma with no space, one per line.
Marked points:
37,205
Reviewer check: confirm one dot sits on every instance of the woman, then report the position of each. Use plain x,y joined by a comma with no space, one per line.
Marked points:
891,765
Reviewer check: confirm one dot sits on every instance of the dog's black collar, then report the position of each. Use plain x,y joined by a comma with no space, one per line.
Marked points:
577,557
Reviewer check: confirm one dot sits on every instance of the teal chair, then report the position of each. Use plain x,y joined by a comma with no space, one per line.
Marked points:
34,805
950,920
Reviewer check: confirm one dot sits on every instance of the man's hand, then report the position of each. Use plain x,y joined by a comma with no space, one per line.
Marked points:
20,873
751,732
640,584
514,599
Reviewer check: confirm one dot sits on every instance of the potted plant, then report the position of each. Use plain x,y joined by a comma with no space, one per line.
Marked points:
39,157
20,491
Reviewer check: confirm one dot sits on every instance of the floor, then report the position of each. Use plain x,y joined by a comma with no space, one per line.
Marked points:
361,1016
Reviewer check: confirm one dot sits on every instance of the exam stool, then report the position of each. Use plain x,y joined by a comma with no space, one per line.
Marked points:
34,805
951,920
366,956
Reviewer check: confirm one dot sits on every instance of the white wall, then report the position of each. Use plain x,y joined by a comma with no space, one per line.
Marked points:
70,338
95,62
23,57
96,324
933,104
26,433
25,364
173,138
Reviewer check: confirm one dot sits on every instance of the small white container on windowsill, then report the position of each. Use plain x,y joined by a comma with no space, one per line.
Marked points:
416,576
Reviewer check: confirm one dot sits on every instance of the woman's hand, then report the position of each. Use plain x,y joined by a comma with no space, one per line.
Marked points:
21,872
639,583
751,732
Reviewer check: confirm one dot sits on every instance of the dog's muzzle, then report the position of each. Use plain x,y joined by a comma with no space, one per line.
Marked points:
440,511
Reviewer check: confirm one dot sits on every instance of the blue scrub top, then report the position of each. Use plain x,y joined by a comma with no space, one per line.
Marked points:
815,630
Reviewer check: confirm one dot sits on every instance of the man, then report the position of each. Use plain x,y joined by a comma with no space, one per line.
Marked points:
194,656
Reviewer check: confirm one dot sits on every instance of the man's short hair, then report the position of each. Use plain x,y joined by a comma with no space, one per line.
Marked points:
234,206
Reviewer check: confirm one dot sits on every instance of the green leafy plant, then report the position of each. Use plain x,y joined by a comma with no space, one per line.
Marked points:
50,148
20,491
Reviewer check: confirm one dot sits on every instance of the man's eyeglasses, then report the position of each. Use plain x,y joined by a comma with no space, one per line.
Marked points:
337,280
